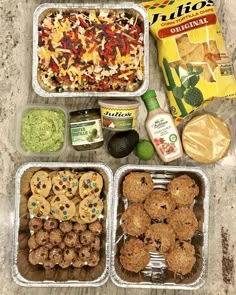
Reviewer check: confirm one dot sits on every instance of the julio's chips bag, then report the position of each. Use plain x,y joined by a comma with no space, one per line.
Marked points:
192,53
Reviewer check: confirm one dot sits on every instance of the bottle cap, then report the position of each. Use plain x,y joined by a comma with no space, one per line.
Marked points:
150,100
149,94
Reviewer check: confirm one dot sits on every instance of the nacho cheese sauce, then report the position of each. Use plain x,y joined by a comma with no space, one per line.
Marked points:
91,50
43,130
119,115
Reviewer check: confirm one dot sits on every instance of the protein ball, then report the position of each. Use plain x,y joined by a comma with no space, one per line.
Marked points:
62,245
41,254
79,228
42,237
78,263
56,255
69,254
32,243
32,258
49,245
85,253
95,227
71,239
56,236
64,264
94,259
50,224
48,264
96,244
86,237
35,224
66,226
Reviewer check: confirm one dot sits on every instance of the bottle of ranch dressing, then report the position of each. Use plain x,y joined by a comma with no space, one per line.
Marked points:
161,129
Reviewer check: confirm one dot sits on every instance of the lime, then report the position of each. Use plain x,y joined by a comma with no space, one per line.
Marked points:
144,150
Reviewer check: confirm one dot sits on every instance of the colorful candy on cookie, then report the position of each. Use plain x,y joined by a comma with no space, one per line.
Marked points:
62,208
90,184
65,183
90,209
41,183
38,206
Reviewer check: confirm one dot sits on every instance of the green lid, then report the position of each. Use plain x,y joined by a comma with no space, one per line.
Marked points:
149,94
150,100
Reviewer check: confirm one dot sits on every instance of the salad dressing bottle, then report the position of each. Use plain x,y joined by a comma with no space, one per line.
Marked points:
161,129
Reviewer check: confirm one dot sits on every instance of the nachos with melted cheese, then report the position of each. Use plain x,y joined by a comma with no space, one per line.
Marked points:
95,51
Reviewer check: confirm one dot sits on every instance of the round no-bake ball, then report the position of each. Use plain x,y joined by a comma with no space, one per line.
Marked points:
32,242
35,224
42,237
79,228
95,227
71,239
66,226
56,255
56,236
86,237
50,224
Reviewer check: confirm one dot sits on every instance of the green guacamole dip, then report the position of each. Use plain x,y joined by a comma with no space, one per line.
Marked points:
42,130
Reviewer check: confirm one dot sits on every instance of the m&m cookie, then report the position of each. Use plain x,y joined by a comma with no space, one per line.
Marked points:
62,208
90,209
38,206
41,183
90,184
65,183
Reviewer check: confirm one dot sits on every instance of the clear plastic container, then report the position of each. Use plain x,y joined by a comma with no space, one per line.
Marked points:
20,116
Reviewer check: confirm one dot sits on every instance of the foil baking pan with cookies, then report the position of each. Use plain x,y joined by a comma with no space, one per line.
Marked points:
26,274
156,274
80,59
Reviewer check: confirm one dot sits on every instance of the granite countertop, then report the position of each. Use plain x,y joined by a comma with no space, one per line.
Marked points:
16,91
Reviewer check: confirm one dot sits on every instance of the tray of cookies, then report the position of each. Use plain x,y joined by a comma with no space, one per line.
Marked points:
62,224
160,227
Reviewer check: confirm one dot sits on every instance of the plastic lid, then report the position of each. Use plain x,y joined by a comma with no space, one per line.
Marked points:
84,112
119,103
149,94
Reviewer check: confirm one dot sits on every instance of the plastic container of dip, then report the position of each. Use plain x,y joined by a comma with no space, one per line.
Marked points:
119,115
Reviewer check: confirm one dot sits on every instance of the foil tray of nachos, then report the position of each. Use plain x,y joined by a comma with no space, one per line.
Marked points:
90,50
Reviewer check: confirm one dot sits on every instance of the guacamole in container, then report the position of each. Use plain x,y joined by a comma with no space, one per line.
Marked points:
42,130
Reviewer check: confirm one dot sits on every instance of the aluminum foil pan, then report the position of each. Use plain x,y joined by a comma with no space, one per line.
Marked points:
27,275
42,10
156,274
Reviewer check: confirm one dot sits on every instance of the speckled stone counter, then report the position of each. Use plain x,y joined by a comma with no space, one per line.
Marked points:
16,90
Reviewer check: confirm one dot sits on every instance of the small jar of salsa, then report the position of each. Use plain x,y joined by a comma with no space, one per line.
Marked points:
86,129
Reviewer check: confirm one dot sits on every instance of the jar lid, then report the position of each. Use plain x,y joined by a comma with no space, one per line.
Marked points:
119,103
85,112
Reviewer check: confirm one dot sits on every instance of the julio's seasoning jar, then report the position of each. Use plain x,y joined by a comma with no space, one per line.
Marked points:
86,129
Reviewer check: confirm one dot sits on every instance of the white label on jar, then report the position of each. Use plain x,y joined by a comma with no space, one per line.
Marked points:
87,132
164,136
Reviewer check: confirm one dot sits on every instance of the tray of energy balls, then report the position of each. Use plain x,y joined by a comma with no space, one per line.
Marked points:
160,227
62,224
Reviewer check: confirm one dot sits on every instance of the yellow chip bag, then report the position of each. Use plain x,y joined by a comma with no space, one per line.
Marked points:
192,53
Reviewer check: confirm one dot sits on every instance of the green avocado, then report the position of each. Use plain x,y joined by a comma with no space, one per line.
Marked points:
122,143
42,130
